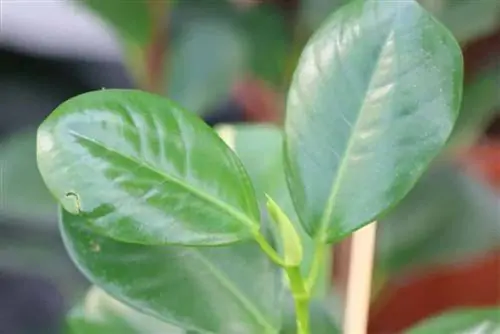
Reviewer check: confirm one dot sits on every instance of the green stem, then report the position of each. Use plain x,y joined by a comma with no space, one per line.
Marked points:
317,263
301,299
268,249
298,286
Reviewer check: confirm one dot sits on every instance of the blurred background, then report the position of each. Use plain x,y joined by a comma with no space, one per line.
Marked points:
231,61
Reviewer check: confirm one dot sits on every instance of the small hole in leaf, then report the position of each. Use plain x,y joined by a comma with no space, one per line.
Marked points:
77,200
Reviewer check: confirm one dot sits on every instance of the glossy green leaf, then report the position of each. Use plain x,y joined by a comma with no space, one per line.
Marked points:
463,321
321,321
131,19
260,148
373,100
448,217
208,57
142,170
23,195
227,289
99,313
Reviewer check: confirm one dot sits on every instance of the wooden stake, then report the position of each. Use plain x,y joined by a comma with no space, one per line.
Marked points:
360,279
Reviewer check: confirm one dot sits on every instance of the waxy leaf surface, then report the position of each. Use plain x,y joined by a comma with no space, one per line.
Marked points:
142,170
373,100
226,289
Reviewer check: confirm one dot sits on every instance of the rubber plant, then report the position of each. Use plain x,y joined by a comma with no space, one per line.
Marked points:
162,216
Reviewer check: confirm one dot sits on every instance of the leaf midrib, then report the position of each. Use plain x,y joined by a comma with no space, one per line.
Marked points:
235,292
337,179
220,276
172,179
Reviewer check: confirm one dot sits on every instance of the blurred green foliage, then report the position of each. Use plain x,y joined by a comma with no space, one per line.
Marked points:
30,241
131,19
467,19
25,197
480,103
449,217
211,40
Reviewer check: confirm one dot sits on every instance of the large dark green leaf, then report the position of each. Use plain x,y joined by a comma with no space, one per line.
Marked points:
131,19
227,289
260,149
23,195
99,313
373,100
465,321
207,58
449,217
140,169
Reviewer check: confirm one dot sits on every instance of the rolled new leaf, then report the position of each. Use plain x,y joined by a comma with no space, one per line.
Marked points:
372,102
292,246
142,170
260,149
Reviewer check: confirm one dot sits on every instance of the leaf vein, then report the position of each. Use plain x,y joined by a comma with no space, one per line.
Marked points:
167,178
